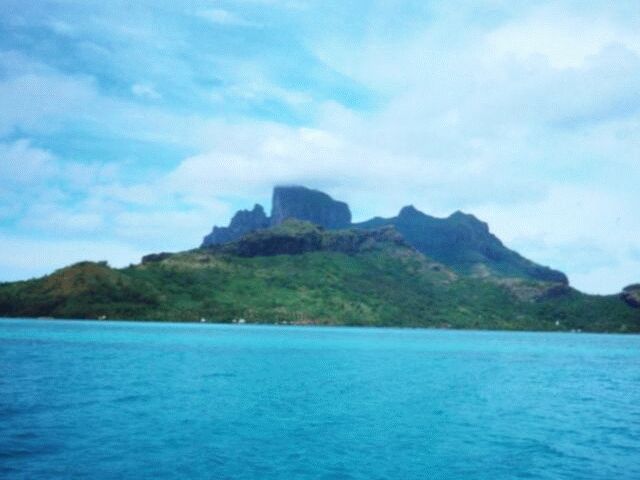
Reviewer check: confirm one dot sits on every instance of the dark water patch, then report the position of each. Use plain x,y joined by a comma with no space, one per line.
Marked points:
15,448
131,398
219,375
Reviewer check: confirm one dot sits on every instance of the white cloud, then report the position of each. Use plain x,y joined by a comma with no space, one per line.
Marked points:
145,91
587,231
259,90
604,279
21,164
27,100
61,222
62,28
138,226
221,16
563,39
28,169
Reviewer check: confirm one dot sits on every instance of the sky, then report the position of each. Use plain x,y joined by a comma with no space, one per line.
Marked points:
133,127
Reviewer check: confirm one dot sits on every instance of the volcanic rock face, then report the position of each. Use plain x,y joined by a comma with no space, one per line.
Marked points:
295,237
243,222
309,205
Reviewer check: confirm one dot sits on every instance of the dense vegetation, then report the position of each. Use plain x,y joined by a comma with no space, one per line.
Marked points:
314,277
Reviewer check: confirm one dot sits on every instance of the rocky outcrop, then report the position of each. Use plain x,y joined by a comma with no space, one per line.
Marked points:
631,295
309,205
243,222
463,242
156,257
528,291
295,237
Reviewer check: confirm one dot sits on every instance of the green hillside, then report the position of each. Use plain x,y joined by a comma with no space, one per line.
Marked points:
299,273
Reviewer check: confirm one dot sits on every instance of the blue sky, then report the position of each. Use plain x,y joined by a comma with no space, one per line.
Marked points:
132,127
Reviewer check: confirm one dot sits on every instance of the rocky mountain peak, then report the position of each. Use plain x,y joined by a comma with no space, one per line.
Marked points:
309,205
243,222
409,211
254,216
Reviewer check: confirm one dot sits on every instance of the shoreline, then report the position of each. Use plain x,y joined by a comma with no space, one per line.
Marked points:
309,325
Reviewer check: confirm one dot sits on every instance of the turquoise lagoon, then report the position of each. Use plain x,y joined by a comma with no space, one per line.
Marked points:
113,400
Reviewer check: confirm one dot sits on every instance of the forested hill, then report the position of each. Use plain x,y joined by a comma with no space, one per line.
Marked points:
300,273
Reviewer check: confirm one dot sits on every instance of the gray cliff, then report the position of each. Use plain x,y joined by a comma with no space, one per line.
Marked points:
309,205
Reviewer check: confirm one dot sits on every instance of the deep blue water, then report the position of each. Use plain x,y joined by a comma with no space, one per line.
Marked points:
106,400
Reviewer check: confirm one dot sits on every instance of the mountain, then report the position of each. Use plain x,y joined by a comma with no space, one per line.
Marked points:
301,273
460,241
465,244
287,202
243,222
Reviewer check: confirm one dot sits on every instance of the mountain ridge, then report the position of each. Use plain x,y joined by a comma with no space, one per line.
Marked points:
461,241
464,243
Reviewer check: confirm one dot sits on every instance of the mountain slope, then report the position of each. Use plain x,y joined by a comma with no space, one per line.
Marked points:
464,243
339,277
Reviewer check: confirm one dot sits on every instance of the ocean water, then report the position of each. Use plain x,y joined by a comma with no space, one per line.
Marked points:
113,400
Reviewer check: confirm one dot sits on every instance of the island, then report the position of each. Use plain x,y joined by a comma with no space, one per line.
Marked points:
307,263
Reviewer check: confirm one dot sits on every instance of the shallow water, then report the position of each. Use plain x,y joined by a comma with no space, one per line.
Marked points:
108,400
